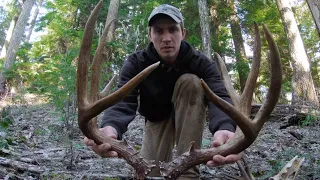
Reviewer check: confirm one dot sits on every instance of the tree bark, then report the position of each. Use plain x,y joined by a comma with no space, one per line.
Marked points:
10,31
303,90
314,6
205,27
33,22
15,41
8,37
113,12
216,22
241,58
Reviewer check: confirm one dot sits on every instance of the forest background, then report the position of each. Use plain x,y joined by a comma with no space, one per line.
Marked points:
38,55
40,42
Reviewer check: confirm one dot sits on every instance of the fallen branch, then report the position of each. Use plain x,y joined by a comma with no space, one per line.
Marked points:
22,166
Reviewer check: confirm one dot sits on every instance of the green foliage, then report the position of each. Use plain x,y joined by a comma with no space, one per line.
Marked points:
1,62
276,166
242,67
266,12
279,162
48,67
283,157
39,132
57,79
5,122
222,42
310,38
23,71
55,176
206,143
310,119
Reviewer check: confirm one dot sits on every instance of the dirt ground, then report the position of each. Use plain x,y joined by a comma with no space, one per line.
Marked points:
42,146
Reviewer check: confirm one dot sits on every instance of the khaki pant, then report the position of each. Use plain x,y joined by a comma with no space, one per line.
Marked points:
184,126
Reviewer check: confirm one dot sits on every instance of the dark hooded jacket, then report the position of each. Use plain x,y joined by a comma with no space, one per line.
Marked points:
157,89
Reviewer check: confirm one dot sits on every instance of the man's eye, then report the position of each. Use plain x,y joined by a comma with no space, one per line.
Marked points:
172,30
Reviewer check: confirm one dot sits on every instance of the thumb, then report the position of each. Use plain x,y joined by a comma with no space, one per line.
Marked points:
217,142
109,132
219,138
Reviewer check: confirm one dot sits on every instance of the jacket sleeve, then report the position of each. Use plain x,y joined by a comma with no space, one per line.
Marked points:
218,120
122,113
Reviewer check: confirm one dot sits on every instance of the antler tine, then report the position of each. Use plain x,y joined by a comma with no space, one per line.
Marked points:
107,88
246,97
227,81
97,107
96,64
275,81
243,102
241,119
84,58
250,129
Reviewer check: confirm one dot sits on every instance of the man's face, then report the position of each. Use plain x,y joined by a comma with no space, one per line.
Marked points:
166,36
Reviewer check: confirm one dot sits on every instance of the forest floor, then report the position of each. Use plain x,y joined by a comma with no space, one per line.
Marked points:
42,146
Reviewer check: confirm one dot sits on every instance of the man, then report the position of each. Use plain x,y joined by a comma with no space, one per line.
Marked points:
171,97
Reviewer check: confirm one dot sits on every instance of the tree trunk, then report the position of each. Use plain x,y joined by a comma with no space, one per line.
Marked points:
241,58
303,90
205,27
216,22
10,30
15,41
8,37
33,22
112,15
314,6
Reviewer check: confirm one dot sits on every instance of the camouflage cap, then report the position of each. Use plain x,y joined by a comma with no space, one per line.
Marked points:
169,10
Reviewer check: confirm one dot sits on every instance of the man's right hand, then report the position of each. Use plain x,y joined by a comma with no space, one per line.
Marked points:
103,150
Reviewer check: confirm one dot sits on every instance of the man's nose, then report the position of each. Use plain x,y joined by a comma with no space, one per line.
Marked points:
166,37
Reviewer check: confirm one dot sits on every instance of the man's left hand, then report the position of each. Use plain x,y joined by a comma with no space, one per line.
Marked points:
220,138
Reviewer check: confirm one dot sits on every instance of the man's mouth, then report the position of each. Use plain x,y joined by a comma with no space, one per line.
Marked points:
167,48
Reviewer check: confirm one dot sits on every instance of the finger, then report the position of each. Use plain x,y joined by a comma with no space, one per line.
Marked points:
219,139
85,140
111,154
232,158
212,164
111,134
89,142
218,159
217,143
103,150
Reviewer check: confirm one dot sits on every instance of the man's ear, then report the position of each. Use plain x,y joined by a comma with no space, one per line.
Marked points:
149,34
184,33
